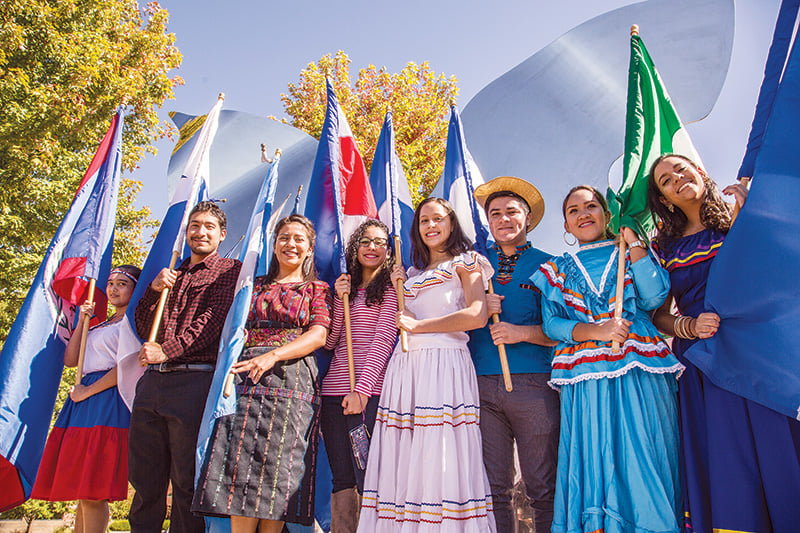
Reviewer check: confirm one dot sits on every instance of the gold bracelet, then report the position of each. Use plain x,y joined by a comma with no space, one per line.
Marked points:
682,329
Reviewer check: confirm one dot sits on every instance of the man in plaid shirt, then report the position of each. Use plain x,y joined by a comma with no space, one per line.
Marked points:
171,395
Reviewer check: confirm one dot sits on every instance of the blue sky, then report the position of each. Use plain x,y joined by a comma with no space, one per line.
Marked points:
251,50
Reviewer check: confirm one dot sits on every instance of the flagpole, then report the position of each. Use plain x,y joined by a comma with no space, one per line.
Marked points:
501,349
351,369
401,297
84,334
620,287
162,302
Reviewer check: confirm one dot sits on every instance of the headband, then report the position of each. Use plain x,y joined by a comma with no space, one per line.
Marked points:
126,274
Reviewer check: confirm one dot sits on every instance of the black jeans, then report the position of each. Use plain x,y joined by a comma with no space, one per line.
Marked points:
530,414
336,428
165,421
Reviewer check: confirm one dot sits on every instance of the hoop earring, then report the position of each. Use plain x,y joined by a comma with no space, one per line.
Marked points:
573,243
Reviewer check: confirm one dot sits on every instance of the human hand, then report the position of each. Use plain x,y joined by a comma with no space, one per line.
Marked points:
628,235
354,403
165,280
493,303
79,392
705,325
406,320
151,354
342,286
87,310
257,366
613,329
505,333
398,274
738,191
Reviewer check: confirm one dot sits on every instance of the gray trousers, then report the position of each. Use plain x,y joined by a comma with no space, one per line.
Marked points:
530,414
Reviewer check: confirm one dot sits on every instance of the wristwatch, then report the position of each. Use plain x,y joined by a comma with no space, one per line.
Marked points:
637,243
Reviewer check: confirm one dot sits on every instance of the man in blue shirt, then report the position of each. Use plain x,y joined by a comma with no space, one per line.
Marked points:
530,413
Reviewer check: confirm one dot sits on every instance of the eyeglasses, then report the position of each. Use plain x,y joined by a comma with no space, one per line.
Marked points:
379,242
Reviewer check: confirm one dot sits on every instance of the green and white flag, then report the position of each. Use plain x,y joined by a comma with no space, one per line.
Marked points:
652,128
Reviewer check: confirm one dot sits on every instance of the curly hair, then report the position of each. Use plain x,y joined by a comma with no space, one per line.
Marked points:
714,212
377,287
607,233
309,272
457,243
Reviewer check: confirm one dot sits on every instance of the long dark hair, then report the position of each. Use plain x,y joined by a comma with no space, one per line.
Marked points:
309,272
377,287
607,233
714,212
456,244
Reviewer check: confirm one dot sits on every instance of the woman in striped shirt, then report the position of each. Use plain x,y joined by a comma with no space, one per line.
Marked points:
373,306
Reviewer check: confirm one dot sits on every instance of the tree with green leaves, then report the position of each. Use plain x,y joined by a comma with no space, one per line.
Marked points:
419,100
64,68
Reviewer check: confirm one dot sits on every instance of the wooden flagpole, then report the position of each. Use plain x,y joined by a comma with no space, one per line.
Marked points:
501,349
620,287
401,297
84,334
351,369
162,302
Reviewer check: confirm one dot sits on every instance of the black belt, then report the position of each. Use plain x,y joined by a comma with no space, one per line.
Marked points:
176,367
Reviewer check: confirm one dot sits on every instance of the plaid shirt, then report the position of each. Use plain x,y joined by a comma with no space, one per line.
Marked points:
195,312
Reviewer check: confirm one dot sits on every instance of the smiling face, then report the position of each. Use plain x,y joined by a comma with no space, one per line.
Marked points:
371,255
679,182
292,246
203,234
584,216
508,218
119,290
434,226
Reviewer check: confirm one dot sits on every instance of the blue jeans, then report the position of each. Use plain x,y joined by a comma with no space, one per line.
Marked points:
336,428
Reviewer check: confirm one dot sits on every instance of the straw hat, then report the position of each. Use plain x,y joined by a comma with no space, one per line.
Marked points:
518,186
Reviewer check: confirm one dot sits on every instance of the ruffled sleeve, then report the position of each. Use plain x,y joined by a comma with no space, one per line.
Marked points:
470,261
549,279
652,282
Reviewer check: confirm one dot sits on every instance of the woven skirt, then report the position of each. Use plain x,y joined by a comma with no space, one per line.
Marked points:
261,460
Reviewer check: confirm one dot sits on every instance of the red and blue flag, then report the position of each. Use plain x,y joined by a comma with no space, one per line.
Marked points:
32,358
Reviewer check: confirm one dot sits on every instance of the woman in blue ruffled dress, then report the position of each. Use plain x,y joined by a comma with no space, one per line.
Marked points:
618,449
740,460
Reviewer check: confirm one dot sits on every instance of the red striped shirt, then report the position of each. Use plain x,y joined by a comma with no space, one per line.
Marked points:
374,335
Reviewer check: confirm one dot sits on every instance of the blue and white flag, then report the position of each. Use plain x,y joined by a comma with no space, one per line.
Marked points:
753,284
32,358
457,184
390,188
257,243
192,188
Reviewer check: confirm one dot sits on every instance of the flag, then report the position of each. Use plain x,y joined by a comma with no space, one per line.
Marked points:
457,184
257,243
32,358
390,187
339,195
192,188
753,284
652,128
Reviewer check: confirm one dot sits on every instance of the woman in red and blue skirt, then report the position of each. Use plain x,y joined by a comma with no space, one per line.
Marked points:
86,455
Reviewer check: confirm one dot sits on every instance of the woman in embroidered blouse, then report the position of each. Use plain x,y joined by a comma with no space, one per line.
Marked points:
86,455
425,470
261,462
617,458
373,306
741,460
